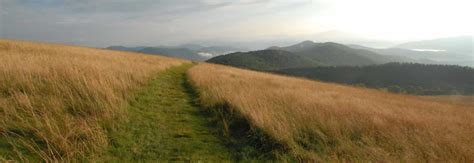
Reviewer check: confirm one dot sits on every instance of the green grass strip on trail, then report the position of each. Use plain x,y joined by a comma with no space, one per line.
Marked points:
164,124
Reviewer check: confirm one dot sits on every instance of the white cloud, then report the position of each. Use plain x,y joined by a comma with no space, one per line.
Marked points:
154,22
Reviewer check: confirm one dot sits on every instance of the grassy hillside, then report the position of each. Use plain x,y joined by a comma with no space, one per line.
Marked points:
397,77
454,100
264,60
327,122
58,102
65,103
164,124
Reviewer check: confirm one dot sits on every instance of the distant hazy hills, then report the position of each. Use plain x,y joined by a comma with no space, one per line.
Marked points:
359,65
305,54
451,51
335,54
438,73
187,51
270,59
461,44
344,37
435,53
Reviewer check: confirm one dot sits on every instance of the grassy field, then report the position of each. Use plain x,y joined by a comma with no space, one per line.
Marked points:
315,121
65,103
164,124
466,101
58,102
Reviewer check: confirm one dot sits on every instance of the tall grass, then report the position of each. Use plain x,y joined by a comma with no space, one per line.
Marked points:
57,102
328,122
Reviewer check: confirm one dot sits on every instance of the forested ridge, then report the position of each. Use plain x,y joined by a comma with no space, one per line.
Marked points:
421,79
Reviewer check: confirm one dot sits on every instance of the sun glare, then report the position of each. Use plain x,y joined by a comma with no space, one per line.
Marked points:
400,19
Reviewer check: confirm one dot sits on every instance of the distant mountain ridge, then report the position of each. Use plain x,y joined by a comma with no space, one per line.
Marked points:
426,57
177,52
364,66
330,53
270,59
460,44
173,52
410,78
304,54
187,51
123,48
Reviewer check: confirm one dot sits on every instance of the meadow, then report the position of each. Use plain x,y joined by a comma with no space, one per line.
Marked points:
67,103
58,102
316,121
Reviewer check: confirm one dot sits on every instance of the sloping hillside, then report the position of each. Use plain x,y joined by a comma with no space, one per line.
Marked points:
164,124
315,121
65,103
264,60
59,102
73,104
397,77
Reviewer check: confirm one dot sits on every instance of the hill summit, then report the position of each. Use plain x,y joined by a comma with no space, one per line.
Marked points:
304,54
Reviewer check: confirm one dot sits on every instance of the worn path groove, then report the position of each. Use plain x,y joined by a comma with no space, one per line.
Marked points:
164,124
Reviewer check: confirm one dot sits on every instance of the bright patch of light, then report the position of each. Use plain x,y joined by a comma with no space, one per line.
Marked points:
399,19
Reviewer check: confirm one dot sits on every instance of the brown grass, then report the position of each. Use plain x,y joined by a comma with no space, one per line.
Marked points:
453,99
58,101
329,122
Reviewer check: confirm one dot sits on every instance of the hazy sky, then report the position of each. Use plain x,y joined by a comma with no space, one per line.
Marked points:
154,22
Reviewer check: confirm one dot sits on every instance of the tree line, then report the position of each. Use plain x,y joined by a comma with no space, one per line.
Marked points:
411,78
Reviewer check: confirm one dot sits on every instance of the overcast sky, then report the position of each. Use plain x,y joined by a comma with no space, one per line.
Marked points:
169,22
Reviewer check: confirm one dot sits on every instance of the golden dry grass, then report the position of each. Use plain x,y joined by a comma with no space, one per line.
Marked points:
328,122
58,101
453,99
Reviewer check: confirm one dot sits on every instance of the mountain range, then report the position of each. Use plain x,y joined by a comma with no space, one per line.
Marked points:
450,51
187,51
460,45
429,53
305,54
269,59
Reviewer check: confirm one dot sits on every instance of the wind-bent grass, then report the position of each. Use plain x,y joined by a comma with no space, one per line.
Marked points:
329,122
57,102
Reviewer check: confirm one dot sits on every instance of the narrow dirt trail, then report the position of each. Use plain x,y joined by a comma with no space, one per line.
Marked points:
165,125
